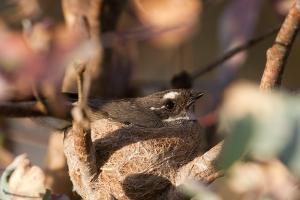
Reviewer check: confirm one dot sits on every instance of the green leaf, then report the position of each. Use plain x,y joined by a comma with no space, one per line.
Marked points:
237,144
291,154
47,195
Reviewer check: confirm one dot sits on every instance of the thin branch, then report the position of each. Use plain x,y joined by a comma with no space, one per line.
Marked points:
31,109
78,145
80,68
203,70
22,109
277,55
185,79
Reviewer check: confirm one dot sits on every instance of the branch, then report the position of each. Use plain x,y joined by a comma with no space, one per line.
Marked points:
201,168
32,109
184,79
22,109
78,146
277,55
203,70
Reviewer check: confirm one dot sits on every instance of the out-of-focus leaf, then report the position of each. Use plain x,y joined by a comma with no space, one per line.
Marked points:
238,143
291,154
4,187
6,157
236,26
47,195
281,7
197,191
257,180
14,11
40,55
21,180
180,17
274,129
274,126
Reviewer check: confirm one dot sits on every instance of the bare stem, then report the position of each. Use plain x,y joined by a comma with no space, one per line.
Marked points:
232,52
277,55
78,145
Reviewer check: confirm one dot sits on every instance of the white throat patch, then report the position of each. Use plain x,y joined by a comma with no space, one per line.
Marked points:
170,95
189,116
172,119
153,108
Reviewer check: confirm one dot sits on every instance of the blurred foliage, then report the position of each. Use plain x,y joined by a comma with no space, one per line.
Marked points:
197,191
261,154
263,126
237,145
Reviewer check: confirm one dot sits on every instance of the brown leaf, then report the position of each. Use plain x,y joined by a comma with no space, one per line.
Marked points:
180,17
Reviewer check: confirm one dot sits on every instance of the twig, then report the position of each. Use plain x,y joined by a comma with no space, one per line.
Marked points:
229,54
78,146
30,109
22,109
277,55
185,79
80,68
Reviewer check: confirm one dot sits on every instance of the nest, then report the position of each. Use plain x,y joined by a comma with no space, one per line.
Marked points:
141,163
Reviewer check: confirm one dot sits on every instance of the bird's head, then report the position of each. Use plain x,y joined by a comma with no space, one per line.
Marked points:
172,105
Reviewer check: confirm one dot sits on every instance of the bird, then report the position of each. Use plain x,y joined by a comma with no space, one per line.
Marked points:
136,143
152,111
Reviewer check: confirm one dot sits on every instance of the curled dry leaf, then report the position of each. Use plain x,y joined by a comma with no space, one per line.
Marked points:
172,20
22,180
26,180
40,55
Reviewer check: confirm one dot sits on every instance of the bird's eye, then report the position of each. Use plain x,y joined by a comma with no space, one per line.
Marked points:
170,104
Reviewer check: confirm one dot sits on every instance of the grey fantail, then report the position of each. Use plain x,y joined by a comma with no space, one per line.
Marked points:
155,110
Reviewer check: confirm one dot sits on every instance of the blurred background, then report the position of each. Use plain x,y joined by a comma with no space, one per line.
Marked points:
133,47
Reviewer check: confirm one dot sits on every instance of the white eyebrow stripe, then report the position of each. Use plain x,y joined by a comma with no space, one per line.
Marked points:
153,108
170,95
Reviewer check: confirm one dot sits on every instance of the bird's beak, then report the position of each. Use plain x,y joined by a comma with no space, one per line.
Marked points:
194,98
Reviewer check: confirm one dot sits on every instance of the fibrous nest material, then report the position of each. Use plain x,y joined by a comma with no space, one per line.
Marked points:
137,162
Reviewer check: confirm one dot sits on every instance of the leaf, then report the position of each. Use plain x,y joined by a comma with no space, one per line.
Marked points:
291,153
275,128
197,191
179,17
47,195
238,143
273,131
6,175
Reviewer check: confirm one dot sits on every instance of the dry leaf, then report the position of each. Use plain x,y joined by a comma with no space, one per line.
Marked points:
173,20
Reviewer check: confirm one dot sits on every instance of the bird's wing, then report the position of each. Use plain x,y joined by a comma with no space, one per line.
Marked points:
124,112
